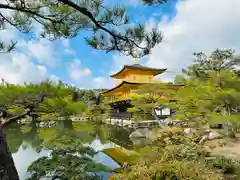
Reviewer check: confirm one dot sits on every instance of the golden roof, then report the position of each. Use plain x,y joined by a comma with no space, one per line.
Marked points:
137,67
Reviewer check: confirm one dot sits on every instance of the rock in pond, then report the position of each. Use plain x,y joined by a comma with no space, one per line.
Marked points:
26,120
47,124
141,133
216,126
79,118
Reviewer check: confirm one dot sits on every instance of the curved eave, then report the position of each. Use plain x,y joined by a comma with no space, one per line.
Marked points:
120,85
132,83
125,68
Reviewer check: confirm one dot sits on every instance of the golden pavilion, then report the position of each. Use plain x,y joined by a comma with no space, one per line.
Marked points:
128,79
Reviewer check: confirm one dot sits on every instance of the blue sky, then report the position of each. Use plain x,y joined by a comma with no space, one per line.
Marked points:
98,61
188,26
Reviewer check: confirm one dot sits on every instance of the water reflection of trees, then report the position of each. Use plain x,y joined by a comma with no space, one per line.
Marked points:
13,137
86,131
33,136
69,159
67,138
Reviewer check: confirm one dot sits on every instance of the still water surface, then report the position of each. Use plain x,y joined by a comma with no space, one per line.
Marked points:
25,141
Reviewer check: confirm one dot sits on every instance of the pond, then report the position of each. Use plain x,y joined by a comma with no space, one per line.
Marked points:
25,141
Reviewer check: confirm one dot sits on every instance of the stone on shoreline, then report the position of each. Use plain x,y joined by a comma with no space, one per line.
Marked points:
211,135
190,131
26,120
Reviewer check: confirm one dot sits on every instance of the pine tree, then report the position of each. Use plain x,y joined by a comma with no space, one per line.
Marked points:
110,26
147,98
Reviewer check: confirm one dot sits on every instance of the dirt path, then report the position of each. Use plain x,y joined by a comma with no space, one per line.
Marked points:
231,150
227,151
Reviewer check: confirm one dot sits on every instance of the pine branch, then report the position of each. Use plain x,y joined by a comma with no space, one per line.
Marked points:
3,123
7,48
61,23
153,2
29,11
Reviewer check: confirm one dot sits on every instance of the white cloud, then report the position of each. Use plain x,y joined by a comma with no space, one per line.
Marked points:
77,71
99,80
65,43
91,82
17,68
29,61
199,26
102,82
54,78
82,77
67,48
41,50
69,51
8,34
118,62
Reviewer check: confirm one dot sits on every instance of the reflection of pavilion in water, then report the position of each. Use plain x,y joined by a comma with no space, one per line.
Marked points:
120,137
130,78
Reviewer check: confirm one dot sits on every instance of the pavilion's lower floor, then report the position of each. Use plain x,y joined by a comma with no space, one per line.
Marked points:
119,110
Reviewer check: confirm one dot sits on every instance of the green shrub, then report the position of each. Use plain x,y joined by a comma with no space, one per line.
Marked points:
47,117
172,170
173,162
175,156
165,173
226,165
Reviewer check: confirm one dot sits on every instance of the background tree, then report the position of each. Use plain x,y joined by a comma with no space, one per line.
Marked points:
96,104
219,60
179,79
110,26
212,88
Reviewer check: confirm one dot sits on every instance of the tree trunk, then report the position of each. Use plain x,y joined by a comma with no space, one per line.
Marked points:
7,168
